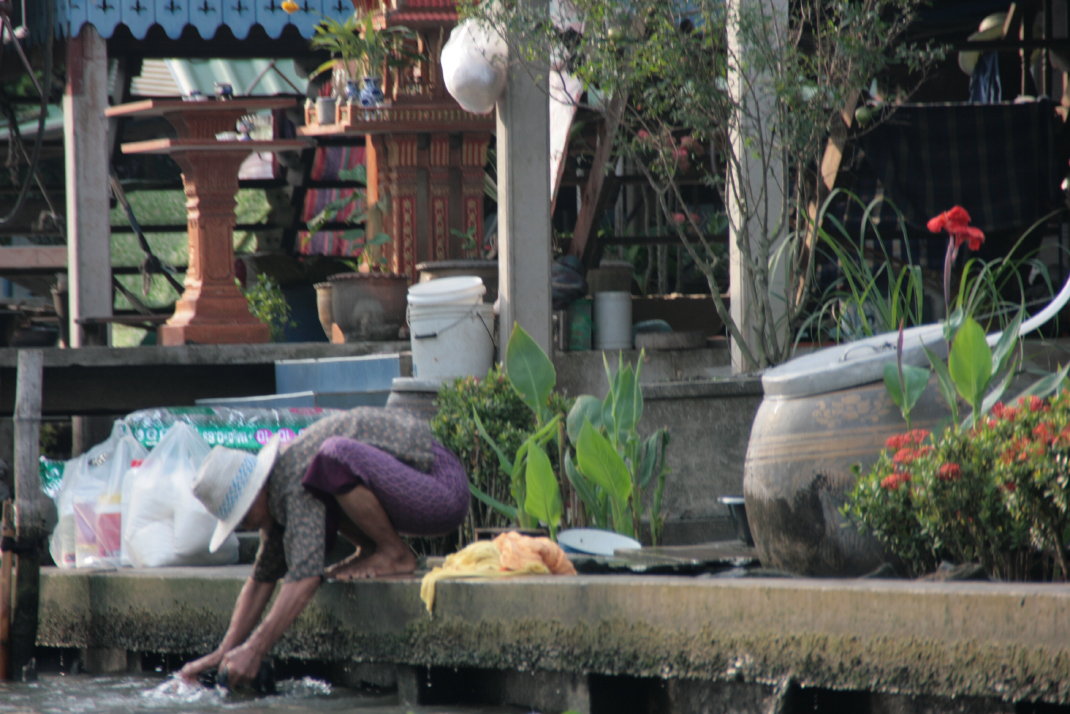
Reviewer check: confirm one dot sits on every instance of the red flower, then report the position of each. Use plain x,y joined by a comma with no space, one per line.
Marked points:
949,472
904,456
918,435
957,224
895,480
1043,431
950,220
1009,486
1036,404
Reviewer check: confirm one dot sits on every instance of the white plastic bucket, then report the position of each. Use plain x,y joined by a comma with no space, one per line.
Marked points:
613,320
458,290
451,341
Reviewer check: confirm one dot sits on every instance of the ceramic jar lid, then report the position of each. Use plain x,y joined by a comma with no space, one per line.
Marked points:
852,363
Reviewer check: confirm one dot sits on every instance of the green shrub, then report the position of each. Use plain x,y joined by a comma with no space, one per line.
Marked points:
996,493
268,304
505,417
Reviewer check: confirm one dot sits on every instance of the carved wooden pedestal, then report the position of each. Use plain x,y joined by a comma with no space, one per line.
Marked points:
212,308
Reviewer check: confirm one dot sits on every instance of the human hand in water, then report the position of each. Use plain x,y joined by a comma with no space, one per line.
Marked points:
239,666
193,669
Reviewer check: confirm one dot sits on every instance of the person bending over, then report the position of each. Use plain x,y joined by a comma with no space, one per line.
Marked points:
369,473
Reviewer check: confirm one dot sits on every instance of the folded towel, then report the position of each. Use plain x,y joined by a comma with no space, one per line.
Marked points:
508,555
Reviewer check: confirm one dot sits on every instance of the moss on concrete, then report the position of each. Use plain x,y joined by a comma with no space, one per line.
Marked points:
956,641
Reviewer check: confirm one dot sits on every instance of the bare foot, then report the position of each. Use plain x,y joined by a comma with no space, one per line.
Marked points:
333,569
375,565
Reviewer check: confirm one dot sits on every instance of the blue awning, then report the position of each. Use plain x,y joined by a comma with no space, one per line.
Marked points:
206,16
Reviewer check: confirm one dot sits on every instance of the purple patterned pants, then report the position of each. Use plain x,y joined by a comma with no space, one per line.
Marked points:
417,503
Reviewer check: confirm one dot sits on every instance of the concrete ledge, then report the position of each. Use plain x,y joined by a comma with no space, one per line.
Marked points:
1001,642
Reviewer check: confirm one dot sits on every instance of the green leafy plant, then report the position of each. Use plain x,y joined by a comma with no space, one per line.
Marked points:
986,490
469,244
612,470
268,304
995,493
533,482
358,45
507,421
875,292
615,468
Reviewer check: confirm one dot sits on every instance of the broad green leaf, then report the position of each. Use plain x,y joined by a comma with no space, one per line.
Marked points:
1046,384
543,495
626,398
970,362
530,371
594,499
586,407
915,379
652,457
600,462
891,383
1004,351
944,382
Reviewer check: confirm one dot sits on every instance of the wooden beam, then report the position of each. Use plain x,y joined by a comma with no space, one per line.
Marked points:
44,257
599,186
31,508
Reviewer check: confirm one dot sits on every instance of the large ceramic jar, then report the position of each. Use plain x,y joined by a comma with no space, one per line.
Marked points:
822,414
368,306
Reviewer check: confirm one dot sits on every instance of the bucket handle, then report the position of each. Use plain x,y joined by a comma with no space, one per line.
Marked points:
459,320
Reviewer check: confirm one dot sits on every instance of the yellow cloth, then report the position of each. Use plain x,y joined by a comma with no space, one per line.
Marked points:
508,555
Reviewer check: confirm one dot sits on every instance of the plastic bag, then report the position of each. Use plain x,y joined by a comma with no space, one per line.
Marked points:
474,66
89,503
164,523
247,428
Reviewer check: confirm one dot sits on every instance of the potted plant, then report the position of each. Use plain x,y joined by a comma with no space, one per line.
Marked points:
367,302
359,48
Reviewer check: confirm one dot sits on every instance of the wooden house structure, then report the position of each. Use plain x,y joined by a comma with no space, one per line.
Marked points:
422,150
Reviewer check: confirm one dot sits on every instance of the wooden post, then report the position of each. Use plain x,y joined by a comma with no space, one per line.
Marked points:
7,532
32,508
85,131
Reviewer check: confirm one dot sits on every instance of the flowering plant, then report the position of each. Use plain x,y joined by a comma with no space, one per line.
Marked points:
989,489
997,493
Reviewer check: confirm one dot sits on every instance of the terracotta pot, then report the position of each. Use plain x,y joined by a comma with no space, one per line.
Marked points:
368,306
323,306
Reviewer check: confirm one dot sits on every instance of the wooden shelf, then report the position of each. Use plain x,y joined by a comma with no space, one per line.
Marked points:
404,118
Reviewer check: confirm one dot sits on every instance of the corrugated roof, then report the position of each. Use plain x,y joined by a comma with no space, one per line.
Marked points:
251,77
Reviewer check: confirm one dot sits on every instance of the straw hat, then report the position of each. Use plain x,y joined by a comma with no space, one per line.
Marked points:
991,28
228,482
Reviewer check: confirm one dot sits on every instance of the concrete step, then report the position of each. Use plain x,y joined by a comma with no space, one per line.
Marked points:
337,374
328,400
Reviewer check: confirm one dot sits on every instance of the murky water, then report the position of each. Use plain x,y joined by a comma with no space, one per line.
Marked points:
144,694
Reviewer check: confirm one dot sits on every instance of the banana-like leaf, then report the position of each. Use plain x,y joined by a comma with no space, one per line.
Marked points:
530,371
600,462
586,407
543,495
